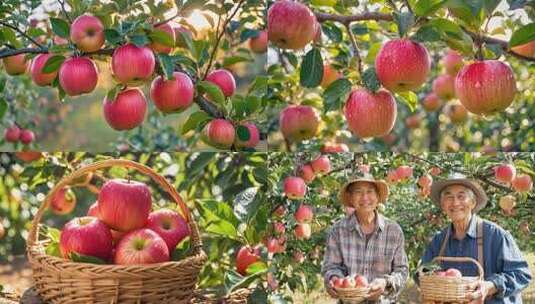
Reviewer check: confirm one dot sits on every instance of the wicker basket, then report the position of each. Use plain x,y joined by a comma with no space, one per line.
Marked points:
352,295
59,280
447,289
238,296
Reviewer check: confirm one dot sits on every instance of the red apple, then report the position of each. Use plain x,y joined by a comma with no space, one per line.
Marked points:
28,156
87,32
321,165
392,176
522,183
86,236
26,136
132,64
370,114
361,281
435,171
169,225
63,201
38,77
330,75
440,273
431,102
167,30
12,134
219,133
452,272
78,75
291,25
413,121
93,210
245,257
127,111
337,282
348,282
259,43
124,205
404,172
444,86
279,228
425,181
299,122
486,87
254,137
273,245
280,211
457,113
224,80
505,173
303,231
334,148
294,187
141,246
402,65
304,214
453,62
364,168
16,64
306,173
173,95
526,49
60,41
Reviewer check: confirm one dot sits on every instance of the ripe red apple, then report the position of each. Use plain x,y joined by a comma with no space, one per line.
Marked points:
272,245
303,231
435,171
299,122
522,183
444,86
294,187
306,173
36,67
28,156
279,228
330,75
431,102
16,64
404,171
219,133
78,75
132,64
87,32
361,281
63,202
364,168
413,121
526,49
12,134
280,211
93,210
348,282
26,136
141,246
507,202
425,181
166,29
304,214
245,257
505,173
453,62
321,165
337,282
86,236
169,225
259,43
440,273
334,148
402,65
224,80
486,87
123,204
392,176
254,137
291,25
173,95
369,114
457,113
452,272
127,111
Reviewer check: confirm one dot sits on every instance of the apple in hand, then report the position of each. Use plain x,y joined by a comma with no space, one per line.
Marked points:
141,246
86,236
245,257
169,225
87,32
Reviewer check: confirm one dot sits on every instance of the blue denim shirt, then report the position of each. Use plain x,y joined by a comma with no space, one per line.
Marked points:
504,264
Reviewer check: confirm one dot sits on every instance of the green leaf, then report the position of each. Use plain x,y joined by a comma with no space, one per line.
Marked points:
112,36
404,21
410,98
182,250
2,84
311,69
336,94
427,7
3,108
235,59
213,90
523,35
53,249
199,163
490,6
243,133
53,234
60,27
10,36
194,120
53,63
248,33
370,80
234,280
469,12
139,40
162,37
112,94
168,65
80,258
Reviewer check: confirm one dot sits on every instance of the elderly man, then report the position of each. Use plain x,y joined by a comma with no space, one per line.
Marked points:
506,272
366,243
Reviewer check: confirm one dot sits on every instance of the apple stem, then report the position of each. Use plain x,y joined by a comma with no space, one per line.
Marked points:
356,52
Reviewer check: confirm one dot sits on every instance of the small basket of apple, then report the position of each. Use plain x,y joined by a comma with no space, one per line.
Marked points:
124,250
351,289
447,285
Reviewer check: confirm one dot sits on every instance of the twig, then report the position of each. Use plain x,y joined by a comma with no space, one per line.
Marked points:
62,3
355,48
22,33
6,52
168,19
208,107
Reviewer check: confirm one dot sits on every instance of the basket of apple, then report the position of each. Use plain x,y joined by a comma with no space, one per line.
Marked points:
447,285
124,251
351,289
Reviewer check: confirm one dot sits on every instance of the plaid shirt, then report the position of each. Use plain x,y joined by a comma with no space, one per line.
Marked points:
383,257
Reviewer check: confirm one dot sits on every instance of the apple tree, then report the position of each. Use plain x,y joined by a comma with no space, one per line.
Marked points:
399,75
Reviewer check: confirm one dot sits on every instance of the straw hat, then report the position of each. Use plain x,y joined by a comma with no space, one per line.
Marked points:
381,185
458,179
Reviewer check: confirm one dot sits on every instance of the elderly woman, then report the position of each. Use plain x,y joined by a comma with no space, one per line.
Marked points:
506,272
366,243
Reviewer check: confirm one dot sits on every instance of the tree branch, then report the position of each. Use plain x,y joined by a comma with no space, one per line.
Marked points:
62,3
21,33
208,107
355,48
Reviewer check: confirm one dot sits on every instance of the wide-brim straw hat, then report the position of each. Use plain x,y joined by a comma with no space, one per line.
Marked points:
381,185
438,186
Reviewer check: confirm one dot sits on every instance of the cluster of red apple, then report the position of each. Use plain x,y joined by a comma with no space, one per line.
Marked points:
401,65
506,174
354,281
451,272
14,134
120,227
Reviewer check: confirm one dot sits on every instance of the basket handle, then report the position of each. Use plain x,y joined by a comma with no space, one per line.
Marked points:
66,180
461,259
